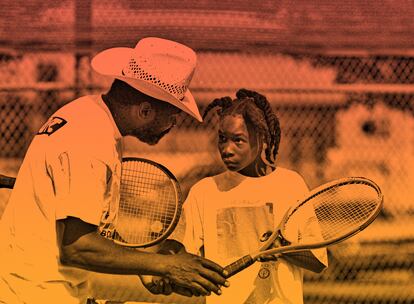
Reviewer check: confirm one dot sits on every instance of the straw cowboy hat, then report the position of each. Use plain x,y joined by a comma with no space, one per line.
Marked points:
156,67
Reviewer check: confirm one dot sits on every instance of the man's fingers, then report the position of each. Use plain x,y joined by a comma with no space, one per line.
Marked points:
163,286
155,289
218,274
209,285
197,274
167,290
196,288
213,279
211,265
150,283
184,291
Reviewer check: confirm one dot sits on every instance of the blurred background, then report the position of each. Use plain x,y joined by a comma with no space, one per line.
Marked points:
339,74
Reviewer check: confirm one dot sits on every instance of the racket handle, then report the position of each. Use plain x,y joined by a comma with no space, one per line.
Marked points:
239,265
6,181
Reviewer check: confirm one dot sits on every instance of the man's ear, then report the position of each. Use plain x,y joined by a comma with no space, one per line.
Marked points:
145,111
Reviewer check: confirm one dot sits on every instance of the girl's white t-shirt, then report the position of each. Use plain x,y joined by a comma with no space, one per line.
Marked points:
228,214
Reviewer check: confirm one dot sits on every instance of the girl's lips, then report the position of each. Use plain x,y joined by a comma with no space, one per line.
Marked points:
229,162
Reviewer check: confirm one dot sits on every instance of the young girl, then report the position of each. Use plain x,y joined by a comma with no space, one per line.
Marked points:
227,214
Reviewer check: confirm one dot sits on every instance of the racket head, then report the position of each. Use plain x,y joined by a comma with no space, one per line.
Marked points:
340,208
150,203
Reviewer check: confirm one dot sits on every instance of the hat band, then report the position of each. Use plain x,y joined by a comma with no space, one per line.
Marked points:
133,70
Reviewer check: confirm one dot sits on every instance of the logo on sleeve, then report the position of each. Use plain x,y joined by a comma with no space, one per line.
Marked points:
52,125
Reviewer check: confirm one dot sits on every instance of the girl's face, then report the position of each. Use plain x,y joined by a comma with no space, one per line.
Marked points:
237,144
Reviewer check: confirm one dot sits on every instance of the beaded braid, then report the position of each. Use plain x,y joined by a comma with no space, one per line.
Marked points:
255,109
223,103
253,115
271,120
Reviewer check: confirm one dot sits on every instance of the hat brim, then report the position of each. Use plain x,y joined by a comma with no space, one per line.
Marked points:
110,62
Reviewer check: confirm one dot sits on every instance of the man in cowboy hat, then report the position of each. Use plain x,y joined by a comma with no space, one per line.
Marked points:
69,182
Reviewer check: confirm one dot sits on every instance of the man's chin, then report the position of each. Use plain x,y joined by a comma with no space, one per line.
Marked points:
148,141
151,140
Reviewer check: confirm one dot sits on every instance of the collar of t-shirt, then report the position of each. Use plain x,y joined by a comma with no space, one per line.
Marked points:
102,104
228,180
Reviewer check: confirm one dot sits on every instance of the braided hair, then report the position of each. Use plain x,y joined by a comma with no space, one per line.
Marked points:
256,110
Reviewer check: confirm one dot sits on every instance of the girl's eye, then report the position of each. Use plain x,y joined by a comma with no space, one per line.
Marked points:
222,138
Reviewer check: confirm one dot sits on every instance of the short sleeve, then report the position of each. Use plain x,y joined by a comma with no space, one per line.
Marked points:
311,231
193,212
309,228
80,186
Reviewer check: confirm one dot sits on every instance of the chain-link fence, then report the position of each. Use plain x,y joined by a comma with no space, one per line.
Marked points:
341,115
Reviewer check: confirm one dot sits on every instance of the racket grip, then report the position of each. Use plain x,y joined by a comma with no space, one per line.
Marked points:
239,265
6,181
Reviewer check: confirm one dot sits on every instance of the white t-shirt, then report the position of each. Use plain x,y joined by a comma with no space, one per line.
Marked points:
228,214
72,168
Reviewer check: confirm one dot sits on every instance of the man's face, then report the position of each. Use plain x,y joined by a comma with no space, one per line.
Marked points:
238,148
164,120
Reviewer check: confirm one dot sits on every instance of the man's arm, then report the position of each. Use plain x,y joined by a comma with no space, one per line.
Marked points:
81,246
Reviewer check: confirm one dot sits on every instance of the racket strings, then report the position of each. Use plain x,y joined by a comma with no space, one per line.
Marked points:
150,189
336,212
158,188
147,203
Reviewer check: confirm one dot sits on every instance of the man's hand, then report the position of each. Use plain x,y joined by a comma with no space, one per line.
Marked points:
195,273
158,285
188,275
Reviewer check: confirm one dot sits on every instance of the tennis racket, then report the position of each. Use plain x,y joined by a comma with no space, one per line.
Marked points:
340,209
149,207
6,181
